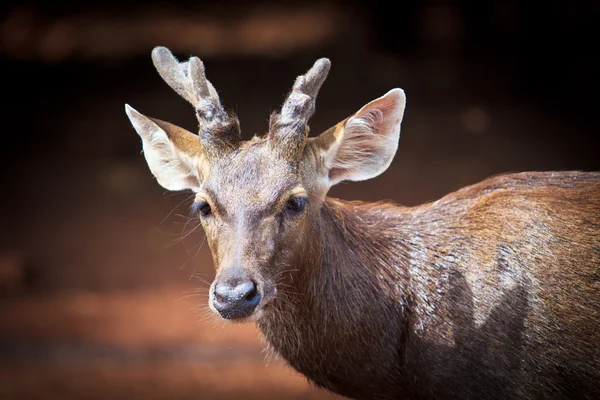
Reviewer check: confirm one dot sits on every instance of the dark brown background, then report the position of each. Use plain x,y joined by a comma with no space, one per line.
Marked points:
102,272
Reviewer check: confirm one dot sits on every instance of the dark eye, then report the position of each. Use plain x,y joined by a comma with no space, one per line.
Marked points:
296,205
203,208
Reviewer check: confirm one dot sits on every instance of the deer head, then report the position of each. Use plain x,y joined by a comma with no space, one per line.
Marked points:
259,200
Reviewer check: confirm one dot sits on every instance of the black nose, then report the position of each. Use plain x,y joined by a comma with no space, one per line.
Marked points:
236,298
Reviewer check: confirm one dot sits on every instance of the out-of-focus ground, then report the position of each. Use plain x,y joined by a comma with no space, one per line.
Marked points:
103,274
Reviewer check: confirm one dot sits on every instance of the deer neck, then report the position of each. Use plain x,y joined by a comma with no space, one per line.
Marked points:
349,291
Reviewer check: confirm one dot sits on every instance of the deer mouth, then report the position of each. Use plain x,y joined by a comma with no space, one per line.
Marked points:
255,316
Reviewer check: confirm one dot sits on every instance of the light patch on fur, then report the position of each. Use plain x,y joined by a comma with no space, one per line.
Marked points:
423,306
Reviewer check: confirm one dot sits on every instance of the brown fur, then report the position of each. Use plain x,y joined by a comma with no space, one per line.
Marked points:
490,292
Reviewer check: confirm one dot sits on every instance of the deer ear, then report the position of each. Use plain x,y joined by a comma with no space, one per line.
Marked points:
172,153
363,146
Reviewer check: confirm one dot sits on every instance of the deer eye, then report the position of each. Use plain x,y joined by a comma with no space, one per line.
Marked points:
296,205
203,208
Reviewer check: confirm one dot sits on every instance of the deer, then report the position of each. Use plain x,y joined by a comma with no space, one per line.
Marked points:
492,291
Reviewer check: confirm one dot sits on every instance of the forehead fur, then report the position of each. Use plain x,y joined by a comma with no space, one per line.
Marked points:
252,173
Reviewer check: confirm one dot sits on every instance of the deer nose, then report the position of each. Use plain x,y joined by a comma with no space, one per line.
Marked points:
236,299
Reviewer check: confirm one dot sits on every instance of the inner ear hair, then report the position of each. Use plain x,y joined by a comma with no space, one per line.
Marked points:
363,146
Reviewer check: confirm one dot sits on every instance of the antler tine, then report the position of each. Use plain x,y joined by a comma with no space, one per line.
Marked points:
290,125
313,79
188,79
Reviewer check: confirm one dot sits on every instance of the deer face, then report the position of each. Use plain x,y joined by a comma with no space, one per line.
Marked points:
253,208
258,200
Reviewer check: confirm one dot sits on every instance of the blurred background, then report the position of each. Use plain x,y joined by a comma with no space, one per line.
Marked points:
103,274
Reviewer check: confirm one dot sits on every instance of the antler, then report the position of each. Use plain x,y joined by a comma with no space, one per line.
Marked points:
218,130
289,127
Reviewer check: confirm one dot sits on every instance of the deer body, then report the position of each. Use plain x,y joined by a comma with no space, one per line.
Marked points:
490,292
482,294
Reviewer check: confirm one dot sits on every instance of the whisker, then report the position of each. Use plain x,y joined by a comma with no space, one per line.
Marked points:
190,295
198,290
199,278
200,246
185,234
190,197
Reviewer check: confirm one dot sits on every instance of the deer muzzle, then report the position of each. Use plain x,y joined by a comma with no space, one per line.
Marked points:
235,295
